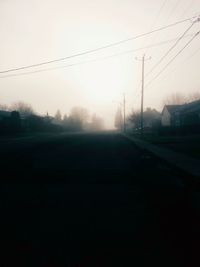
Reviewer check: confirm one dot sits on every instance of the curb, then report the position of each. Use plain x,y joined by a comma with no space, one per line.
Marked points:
178,160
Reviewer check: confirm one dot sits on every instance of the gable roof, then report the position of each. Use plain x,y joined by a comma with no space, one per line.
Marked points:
4,113
172,108
190,107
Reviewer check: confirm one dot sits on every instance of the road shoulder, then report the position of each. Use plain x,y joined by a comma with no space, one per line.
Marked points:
185,163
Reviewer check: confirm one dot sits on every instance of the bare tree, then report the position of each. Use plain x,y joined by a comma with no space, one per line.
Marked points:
193,96
4,107
65,118
22,107
175,99
97,123
65,121
151,117
179,99
58,116
118,119
80,114
78,118
135,119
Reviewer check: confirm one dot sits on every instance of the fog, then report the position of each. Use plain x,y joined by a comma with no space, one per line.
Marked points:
37,31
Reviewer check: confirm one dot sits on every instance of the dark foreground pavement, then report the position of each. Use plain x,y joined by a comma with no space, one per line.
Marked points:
93,200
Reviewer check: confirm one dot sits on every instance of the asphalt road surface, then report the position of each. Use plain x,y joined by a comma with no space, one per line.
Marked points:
92,200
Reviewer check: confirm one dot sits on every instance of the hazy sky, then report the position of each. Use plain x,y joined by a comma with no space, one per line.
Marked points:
33,31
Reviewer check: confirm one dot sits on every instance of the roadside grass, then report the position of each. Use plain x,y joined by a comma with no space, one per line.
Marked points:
188,144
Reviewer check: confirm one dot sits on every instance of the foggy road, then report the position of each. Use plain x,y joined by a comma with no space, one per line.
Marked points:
92,199
68,156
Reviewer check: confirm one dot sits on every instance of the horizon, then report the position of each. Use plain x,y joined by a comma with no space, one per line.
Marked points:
36,32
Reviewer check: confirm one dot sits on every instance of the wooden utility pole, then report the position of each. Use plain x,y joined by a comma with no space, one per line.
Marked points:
142,95
142,98
124,112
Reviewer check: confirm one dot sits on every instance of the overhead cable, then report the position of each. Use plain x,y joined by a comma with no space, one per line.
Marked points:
163,69
97,49
93,60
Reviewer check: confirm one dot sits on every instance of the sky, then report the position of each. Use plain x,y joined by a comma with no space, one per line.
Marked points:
35,31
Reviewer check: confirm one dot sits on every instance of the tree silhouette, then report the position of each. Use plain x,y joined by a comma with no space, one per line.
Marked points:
80,114
23,108
151,117
118,119
58,116
97,123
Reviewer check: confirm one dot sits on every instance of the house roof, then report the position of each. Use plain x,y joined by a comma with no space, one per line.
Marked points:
172,108
185,108
190,107
4,113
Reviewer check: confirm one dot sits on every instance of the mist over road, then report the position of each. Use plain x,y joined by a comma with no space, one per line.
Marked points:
92,199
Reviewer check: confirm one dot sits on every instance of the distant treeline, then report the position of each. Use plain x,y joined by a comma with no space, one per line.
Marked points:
12,123
79,120
21,117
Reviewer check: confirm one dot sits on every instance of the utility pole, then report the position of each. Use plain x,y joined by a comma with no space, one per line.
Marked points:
142,95
142,98
124,106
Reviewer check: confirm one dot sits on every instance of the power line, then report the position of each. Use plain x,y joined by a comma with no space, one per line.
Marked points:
157,16
173,9
194,54
159,12
166,20
188,8
99,48
171,48
163,69
188,58
94,60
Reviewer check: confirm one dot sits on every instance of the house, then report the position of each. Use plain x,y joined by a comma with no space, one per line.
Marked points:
189,114
10,122
168,115
4,114
181,115
151,118
4,119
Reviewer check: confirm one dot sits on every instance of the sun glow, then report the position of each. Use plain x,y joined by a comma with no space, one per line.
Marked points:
102,82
